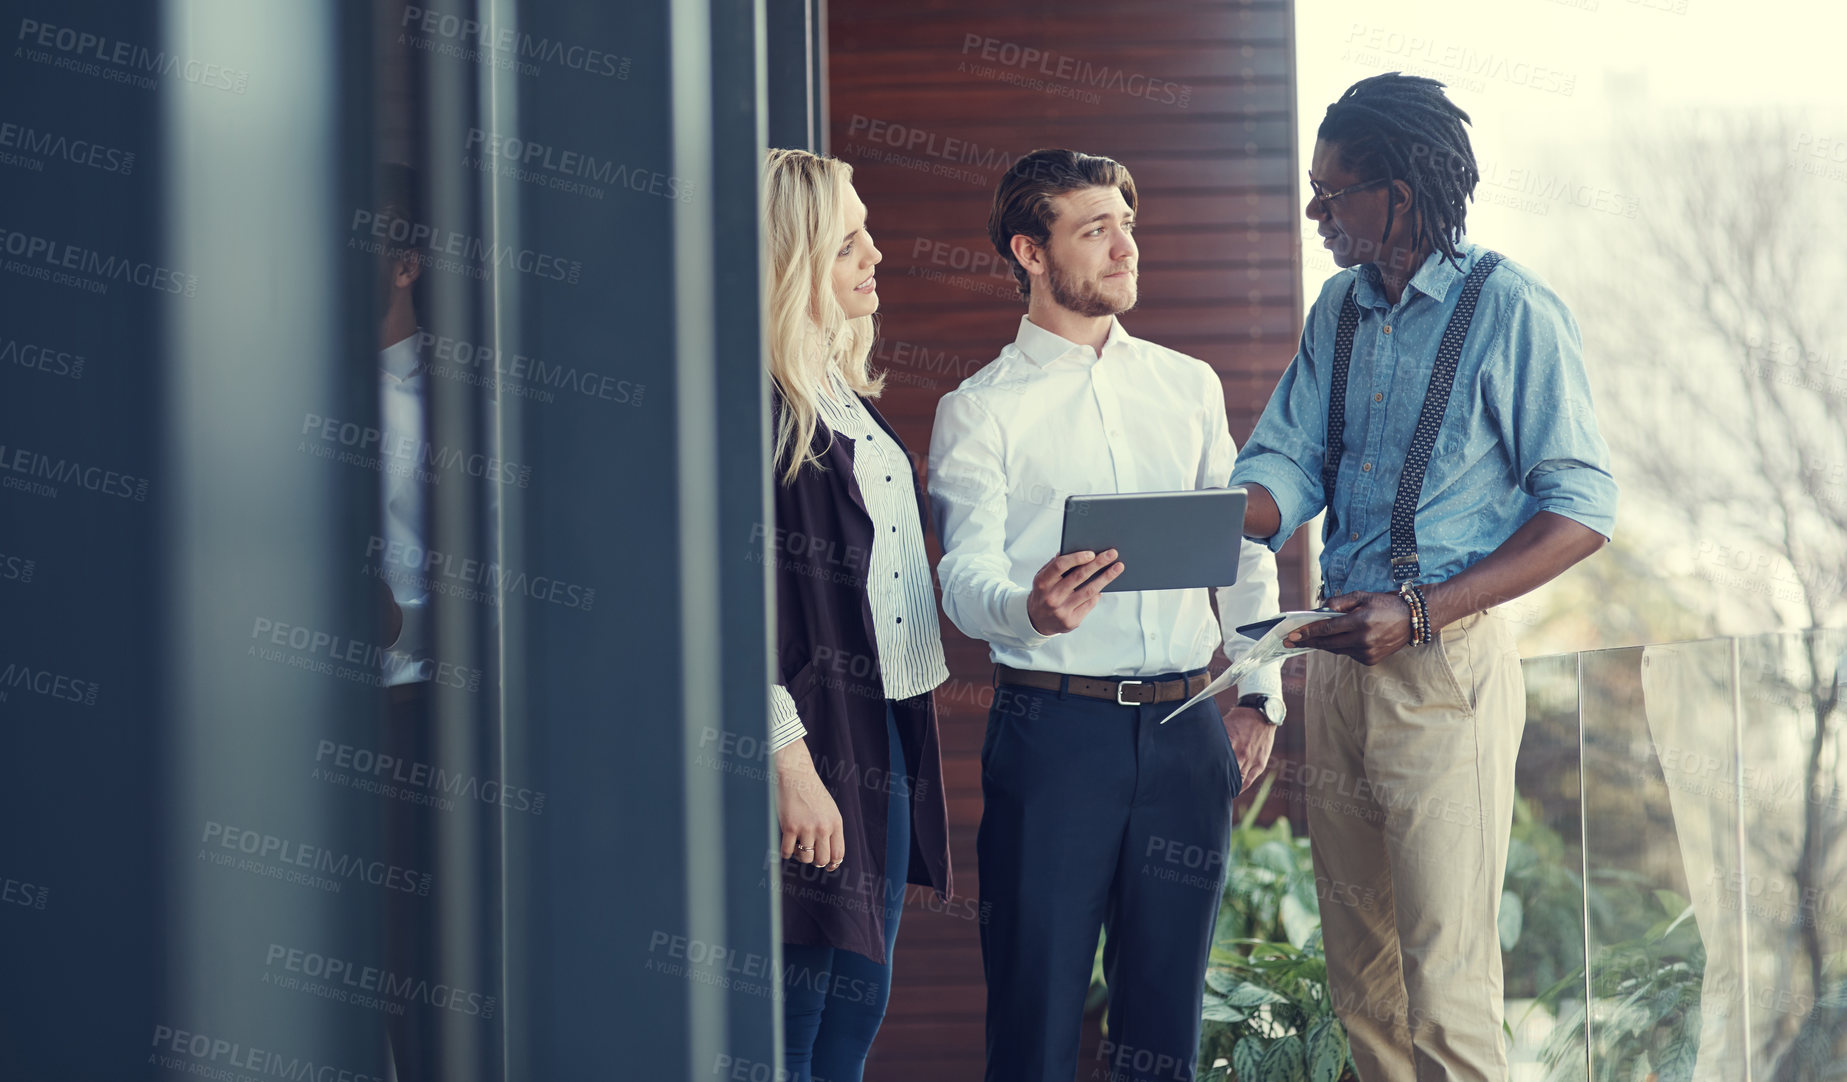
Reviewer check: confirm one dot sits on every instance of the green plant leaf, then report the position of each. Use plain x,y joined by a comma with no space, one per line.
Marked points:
1247,1059
1283,1061
1327,1052
1278,857
1521,857
1299,921
1563,1049
1220,981
1573,981
1675,1062
1250,995
1220,1011
1099,989
1684,914
1671,903
1667,999
1511,920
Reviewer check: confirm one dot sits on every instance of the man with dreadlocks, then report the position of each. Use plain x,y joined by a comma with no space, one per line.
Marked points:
1438,411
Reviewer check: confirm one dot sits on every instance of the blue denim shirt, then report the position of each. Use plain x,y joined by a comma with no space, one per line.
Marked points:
1519,435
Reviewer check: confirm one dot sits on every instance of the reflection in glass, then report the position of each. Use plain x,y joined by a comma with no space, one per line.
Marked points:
1542,904
1789,896
1649,763
1687,691
1713,791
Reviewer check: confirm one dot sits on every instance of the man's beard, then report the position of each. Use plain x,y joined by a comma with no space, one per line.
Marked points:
1084,295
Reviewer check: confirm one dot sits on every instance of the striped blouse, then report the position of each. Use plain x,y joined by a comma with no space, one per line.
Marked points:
898,583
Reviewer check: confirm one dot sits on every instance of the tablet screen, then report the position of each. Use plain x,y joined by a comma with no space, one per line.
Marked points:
1164,540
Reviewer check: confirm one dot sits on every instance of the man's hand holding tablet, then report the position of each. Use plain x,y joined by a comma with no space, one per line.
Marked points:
1066,589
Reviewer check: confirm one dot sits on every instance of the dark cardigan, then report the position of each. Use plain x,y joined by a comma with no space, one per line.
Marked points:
828,659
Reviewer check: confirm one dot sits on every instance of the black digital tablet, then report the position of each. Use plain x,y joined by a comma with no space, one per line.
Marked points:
1164,540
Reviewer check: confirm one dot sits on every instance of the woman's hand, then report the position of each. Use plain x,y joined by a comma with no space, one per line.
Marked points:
811,827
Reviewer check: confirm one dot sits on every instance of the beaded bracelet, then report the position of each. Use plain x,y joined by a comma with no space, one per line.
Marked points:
1413,596
1408,593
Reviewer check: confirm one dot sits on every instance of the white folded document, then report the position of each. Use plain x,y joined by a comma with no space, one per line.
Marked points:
1268,647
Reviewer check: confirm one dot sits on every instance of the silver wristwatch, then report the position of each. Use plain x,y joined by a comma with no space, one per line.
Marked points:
1270,706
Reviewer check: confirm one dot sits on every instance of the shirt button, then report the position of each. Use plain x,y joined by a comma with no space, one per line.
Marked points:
901,619
888,477
1367,467
1379,397
1355,537
1388,328
894,574
894,529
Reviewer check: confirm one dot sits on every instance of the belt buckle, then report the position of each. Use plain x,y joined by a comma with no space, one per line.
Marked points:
1120,684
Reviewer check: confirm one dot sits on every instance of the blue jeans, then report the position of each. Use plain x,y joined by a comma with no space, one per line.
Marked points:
834,1000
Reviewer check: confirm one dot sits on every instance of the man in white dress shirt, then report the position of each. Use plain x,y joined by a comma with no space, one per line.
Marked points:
1095,816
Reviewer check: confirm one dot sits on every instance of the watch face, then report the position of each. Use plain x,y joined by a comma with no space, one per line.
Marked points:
1267,705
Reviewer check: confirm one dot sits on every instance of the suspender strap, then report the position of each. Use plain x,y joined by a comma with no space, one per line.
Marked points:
1423,440
1337,407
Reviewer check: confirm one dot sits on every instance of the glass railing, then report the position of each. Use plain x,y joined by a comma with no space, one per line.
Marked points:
1681,829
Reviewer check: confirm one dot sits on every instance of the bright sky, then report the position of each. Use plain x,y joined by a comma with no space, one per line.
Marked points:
1535,75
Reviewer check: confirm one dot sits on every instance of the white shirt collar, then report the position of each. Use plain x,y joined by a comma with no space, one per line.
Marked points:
400,359
1042,347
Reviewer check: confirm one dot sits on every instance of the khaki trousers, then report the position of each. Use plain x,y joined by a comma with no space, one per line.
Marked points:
1409,781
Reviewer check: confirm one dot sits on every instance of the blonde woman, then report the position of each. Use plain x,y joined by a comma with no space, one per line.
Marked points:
853,727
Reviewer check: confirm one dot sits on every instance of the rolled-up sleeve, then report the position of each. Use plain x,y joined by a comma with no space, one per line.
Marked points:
968,498
1541,394
1285,451
1254,595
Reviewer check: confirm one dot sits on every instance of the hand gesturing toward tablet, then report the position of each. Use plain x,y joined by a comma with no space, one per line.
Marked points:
1066,589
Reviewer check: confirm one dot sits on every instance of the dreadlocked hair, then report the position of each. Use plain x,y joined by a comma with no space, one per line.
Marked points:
1403,127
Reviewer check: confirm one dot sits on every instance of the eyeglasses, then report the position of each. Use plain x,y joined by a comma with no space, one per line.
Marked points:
1327,198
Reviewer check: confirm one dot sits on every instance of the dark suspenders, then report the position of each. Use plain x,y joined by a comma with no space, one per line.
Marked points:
1423,440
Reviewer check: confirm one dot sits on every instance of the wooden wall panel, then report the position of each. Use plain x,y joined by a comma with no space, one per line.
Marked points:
931,100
